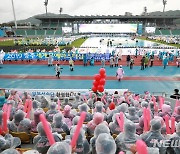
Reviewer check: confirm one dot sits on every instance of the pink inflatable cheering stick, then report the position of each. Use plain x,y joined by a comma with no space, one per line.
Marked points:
172,125
78,128
103,99
121,152
166,117
161,102
47,129
85,98
119,122
29,108
26,106
141,147
122,121
90,94
5,107
148,117
59,105
145,120
176,105
5,122
1,130
9,111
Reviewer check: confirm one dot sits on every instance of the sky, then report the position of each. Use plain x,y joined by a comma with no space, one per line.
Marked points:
28,8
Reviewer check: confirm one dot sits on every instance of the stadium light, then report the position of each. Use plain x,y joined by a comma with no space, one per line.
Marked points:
46,4
60,10
164,4
14,14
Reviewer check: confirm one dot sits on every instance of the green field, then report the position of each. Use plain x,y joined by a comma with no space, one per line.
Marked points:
7,43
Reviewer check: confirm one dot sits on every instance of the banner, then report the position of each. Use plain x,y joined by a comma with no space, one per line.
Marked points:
55,55
62,92
95,53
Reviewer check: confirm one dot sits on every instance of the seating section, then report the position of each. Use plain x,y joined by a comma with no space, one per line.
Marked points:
53,25
45,25
50,32
30,32
175,32
165,32
40,32
19,32
157,32
58,32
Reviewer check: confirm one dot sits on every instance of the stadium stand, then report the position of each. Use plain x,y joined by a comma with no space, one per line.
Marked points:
45,25
157,32
50,32
40,32
58,32
175,32
165,32
20,32
53,25
30,32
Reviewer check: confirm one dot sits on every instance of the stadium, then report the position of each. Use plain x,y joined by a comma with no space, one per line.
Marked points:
90,84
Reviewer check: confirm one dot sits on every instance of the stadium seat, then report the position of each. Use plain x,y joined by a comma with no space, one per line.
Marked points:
30,32
40,32
50,32
176,32
165,32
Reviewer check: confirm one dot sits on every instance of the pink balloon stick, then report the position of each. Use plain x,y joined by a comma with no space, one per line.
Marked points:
153,99
122,121
47,129
121,152
26,106
145,120
102,98
141,147
148,117
166,117
1,130
59,105
85,98
90,95
4,108
161,102
78,128
9,111
176,105
172,125
5,122
119,121
29,108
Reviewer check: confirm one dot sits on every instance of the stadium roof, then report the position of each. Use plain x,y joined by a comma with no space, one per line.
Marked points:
66,16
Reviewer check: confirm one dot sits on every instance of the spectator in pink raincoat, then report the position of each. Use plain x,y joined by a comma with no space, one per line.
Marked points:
119,73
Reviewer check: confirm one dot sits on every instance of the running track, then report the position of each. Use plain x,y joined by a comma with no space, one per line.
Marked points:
37,75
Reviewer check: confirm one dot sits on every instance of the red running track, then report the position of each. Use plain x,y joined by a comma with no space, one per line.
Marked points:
88,78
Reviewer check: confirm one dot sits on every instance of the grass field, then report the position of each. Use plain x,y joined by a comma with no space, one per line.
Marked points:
77,43
7,43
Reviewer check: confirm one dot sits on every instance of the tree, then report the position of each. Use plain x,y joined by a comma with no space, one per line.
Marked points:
164,4
46,4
